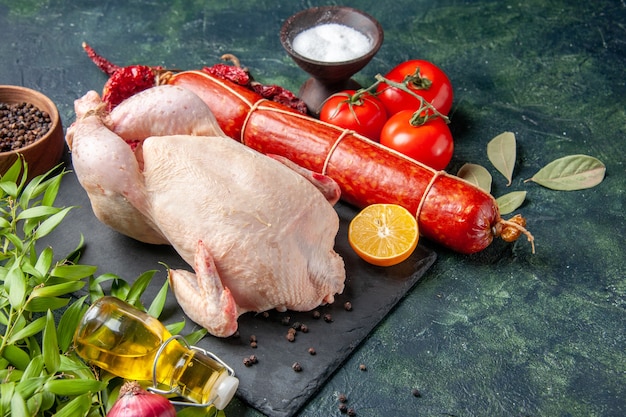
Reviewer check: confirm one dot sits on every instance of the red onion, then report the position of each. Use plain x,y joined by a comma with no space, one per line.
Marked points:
134,401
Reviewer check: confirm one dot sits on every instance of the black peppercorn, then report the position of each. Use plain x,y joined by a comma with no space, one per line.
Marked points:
21,124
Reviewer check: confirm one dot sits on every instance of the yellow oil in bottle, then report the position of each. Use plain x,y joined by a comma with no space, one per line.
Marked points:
125,341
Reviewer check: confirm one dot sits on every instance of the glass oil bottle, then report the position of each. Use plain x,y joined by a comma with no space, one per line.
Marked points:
129,343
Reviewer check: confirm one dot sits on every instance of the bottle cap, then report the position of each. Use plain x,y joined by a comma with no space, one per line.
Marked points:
225,389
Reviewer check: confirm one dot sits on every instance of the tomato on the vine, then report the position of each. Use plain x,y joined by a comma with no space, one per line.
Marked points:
430,142
359,111
425,79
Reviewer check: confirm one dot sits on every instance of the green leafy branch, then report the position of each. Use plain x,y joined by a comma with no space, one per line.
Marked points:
40,373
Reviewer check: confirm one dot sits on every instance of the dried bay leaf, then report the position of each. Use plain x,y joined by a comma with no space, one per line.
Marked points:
570,173
502,152
477,175
511,201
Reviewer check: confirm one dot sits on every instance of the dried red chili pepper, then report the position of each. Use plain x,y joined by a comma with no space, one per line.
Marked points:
280,95
231,73
104,64
123,81
128,81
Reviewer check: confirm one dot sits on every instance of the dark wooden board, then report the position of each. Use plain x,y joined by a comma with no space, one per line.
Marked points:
271,385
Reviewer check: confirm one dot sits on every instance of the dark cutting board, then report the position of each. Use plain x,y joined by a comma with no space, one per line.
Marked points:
271,385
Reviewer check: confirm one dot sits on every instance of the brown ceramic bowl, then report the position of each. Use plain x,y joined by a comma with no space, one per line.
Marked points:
42,155
353,18
329,77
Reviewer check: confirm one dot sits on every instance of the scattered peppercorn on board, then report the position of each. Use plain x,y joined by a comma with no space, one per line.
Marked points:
279,369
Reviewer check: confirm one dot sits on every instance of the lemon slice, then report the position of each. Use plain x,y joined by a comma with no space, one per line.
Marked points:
383,234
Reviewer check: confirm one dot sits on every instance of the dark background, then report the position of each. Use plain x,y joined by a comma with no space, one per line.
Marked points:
503,332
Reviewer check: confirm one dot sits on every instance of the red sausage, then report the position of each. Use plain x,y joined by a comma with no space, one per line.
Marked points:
449,210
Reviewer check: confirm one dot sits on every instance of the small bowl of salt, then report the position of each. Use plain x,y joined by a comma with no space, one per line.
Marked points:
330,43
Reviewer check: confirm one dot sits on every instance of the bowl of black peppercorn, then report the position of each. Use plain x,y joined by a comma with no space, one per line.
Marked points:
30,127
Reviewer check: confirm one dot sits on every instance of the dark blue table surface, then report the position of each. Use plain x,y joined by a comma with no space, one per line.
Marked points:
500,333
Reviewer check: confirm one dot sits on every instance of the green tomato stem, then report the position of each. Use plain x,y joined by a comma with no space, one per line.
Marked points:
425,112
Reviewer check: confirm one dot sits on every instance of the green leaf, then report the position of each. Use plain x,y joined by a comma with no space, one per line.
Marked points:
51,223
120,288
34,404
195,336
48,400
18,405
58,289
30,192
156,307
50,345
95,285
73,365
44,261
7,389
31,329
37,212
52,186
9,187
15,240
27,386
501,151
4,223
74,255
13,173
15,283
511,201
16,357
34,368
74,386
570,173
139,286
32,344
73,272
41,304
19,323
175,328
477,175
69,322
79,406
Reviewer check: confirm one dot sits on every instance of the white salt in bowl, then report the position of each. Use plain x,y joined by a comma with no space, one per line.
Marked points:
338,65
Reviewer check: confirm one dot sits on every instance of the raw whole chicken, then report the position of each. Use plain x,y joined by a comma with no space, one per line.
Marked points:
258,234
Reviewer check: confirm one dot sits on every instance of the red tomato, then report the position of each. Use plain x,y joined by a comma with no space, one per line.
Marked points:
430,143
358,111
427,80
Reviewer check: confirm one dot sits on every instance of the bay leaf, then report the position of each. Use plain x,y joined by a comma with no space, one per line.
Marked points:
511,201
570,173
477,175
50,345
502,152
